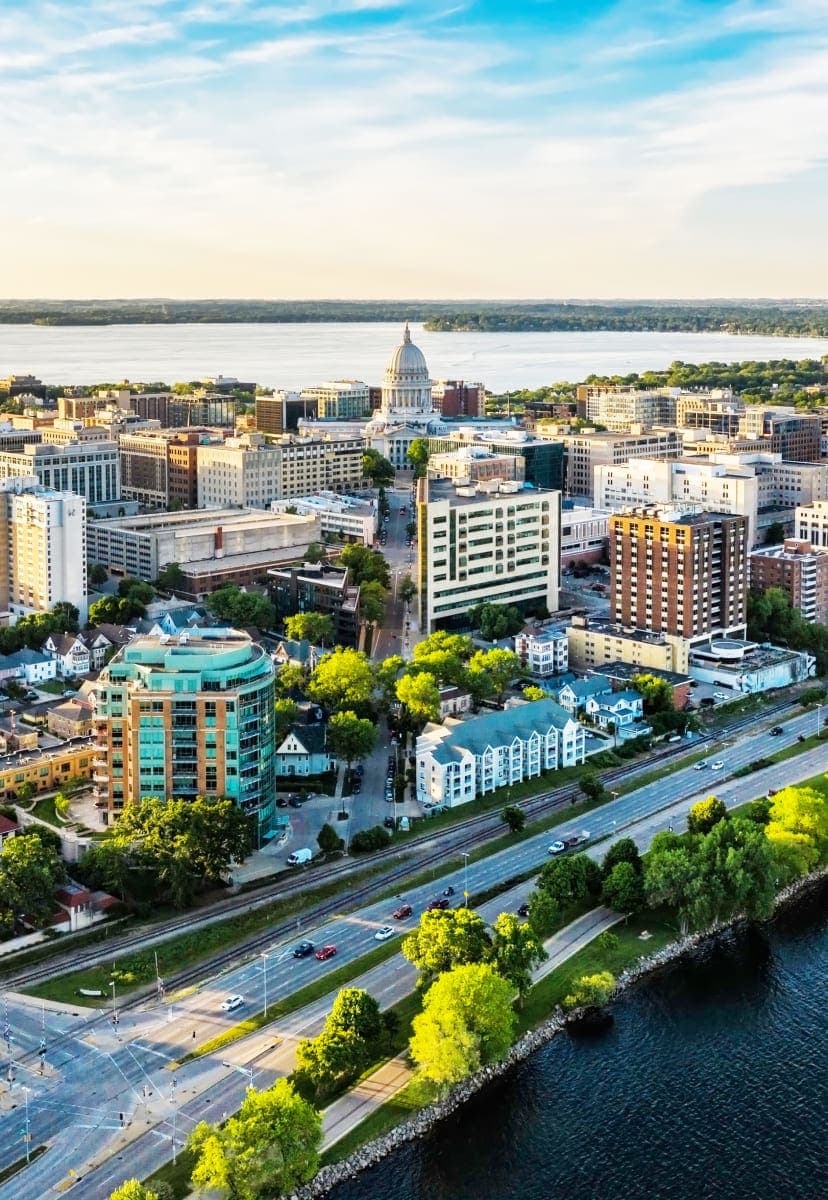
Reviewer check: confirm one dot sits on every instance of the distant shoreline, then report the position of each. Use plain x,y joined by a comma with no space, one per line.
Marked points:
768,319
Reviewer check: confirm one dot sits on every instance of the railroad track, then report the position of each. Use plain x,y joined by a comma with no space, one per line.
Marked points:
451,839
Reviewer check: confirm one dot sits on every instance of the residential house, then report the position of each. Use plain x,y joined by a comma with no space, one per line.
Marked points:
70,719
543,651
303,751
177,620
458,761
617,709
621,674
70,652
103,640
573,696
454,700
9,670
7,829
33,666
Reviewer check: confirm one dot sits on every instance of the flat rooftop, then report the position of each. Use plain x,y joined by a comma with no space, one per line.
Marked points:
461,494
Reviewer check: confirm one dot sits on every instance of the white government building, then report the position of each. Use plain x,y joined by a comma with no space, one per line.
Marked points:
406,410
460,760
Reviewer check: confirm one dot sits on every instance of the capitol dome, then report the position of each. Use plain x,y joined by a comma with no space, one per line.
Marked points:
407,363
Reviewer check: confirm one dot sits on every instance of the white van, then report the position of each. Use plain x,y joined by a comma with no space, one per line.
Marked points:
299,857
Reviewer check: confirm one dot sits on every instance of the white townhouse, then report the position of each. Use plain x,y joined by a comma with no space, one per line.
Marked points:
618,708
460,760
543,651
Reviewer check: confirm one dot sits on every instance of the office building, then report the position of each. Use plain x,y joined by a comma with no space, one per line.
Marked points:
42,548
678,573
320,588
65,432
543,460
340,400
13,439
461,760
584,534
234,545
497,541
347,516
589,449
187,716
90,469
201,408
716,412
474,464
621,407
795,435
811,523
159,467
456,398
251,472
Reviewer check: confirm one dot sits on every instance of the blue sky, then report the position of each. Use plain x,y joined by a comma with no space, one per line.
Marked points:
372,148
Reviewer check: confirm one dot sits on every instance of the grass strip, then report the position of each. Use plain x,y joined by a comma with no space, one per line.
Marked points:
21,1164
184,950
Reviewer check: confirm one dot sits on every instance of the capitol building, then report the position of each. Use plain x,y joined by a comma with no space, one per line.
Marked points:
406,409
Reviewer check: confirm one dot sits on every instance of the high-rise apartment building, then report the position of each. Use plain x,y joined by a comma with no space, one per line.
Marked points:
187,716
620,407
678,574
42,548
497,541
90,469
800,570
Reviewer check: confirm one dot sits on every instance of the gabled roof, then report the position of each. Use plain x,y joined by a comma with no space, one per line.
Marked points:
500,729
630,695
118,635
310,737
63,642
595,686
27,658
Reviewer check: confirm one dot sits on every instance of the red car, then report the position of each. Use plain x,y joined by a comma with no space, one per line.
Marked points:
326,952
402,912
440,902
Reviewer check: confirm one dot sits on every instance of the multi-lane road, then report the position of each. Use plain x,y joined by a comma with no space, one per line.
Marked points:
94,1071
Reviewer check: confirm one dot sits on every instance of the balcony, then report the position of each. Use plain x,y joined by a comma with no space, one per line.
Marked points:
99,762
100,777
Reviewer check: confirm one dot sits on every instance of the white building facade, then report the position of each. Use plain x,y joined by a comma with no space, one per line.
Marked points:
407,409
44,536
543,652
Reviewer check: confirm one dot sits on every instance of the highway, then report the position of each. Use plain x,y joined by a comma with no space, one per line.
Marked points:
94,1072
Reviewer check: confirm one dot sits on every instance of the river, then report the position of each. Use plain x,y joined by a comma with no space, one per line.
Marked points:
300,355
711,1082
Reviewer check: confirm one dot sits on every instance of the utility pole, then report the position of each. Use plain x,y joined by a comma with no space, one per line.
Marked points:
465,857
265,957
27,1135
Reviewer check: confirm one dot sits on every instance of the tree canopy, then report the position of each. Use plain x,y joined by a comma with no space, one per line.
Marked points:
240,608
496,621
516,951
342,679
447,938
348,1042
30,869
316,628
705,814
420,695
351,737
798,827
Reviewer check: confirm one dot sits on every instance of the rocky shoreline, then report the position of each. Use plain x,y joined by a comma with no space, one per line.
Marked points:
372,1152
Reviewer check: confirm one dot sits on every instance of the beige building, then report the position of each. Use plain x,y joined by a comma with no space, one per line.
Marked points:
594,643
590,449
811,523
250,472
495,541
340,400
42,548
475,464
621,407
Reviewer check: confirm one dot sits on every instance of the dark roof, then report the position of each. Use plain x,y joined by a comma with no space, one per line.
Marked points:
312,737
623,672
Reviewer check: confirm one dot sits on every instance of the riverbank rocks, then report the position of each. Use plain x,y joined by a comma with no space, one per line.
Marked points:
422,1122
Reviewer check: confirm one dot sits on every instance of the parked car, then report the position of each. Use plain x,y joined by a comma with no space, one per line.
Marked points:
232,1003
777,729
303,950
359,770
717,766
676,737
402,912
720,695
325,953
437,902
390,823
383,934
281,802
295,801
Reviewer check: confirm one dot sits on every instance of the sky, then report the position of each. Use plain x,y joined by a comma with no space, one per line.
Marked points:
437,149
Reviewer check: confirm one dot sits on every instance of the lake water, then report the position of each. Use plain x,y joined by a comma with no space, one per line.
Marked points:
301,355
711,1083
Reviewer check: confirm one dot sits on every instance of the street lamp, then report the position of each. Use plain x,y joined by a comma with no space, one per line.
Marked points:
248,1071
819,718
114,1010
265,957
465,858
27,1135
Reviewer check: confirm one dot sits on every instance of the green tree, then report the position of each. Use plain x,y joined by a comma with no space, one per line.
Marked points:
170,578
97,574
351,737
285,714
516,952
495,621
514,817
387,673
775,534
376,468
657,693
501,667
131,1189
623,889
407,589
705,814
290,679
420,695
417,455
591,786
798,827
532,692
447,938
348,1042
544,913
270,1147
364,565
29,872
372,600
736,872
624,850
670,876
811,695
466,1022
366,840
458,645
239,608
313,627
571,880
136,590
591,991
342,679
329,840
315,553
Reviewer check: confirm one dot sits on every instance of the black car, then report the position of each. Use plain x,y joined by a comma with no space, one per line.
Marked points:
295,801
303,950
523,911
359,770
777,729
390,823
356,788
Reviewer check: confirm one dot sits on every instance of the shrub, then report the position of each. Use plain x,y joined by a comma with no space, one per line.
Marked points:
366,840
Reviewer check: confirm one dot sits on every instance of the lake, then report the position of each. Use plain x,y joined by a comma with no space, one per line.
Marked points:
301,355
712,1082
